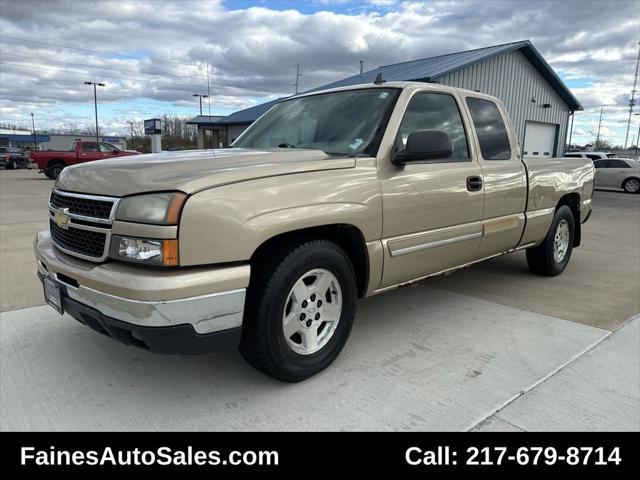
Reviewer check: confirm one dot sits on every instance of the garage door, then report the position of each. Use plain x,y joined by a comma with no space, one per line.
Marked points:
539,139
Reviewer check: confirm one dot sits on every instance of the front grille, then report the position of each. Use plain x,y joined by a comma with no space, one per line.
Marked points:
87,207
84,242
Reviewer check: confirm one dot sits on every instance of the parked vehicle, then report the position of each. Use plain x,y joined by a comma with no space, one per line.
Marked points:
51,162
12,158
328,197
591,155
618,173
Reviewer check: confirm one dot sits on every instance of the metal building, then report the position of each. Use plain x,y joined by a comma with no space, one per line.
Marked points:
539,103
52,141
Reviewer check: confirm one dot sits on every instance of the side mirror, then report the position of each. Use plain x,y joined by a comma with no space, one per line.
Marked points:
114,152
424,145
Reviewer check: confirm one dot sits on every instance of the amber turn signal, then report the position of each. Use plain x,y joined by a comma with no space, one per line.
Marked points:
170,253
175,207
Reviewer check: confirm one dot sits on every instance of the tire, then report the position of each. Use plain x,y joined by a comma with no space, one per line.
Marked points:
551,257
309,266
631,185
53,170
11,165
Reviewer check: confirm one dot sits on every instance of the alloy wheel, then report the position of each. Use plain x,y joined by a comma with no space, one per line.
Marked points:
312,311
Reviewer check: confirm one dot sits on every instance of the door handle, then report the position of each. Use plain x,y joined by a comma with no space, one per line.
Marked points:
474,183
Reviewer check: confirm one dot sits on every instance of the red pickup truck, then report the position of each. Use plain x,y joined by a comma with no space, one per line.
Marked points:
51,162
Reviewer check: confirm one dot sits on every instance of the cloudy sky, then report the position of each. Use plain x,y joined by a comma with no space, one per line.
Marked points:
152,55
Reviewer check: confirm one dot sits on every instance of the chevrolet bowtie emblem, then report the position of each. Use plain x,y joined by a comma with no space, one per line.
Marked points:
61,217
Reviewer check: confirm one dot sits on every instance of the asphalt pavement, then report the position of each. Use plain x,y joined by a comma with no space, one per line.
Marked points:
492,347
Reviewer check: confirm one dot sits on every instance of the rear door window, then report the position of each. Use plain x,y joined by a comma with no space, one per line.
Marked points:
618,164
90,147
490,129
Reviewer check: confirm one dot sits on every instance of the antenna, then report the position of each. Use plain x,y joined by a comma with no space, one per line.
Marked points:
379,80
632,101
361,67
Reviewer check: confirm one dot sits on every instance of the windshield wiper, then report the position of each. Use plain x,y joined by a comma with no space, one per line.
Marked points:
289,145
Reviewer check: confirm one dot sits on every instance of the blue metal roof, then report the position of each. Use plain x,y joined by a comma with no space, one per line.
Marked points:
206,120
24,138
429,70
248,115
426,69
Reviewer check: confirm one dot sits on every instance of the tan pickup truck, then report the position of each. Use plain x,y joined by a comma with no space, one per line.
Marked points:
328,197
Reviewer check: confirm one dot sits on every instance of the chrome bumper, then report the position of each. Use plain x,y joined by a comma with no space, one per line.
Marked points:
209,313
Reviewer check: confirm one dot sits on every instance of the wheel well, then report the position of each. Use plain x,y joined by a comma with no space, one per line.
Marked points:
55,161
347,237
628,178
572,200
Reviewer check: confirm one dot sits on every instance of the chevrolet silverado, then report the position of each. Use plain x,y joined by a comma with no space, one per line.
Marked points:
328,197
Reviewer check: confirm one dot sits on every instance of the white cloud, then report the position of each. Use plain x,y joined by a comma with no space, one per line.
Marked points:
253,53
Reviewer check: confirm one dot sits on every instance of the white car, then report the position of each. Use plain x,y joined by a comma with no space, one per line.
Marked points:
612,172
618,173
591,155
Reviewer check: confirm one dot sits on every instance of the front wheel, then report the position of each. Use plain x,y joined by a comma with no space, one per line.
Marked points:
300,308
552,255
53,170
11,165
631,185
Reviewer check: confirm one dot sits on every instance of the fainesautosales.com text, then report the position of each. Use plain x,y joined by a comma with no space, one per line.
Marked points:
139,457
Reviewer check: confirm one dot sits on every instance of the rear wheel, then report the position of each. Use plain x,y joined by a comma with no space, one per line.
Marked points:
552,255
300,308
631,185
53,170
11,165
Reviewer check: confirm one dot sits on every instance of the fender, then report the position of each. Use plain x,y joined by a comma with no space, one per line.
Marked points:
228,223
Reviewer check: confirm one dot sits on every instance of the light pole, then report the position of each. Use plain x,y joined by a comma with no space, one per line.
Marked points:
298,75
573,114
638,138
33,124
95,103
599,125
201,95
131,127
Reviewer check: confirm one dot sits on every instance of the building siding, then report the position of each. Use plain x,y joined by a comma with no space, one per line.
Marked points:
515,81
65,142
234,131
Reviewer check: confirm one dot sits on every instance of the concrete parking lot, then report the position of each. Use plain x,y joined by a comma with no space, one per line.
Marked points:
492,347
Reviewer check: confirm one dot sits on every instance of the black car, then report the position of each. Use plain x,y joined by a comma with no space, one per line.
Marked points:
12,157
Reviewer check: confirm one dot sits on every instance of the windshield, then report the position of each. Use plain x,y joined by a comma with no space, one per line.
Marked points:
338,123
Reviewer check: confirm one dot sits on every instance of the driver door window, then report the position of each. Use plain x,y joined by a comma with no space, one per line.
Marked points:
436,111
105,148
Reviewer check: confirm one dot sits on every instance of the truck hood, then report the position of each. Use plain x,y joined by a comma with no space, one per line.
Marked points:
191,171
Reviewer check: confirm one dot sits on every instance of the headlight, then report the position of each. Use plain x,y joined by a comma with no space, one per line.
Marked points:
155,208
145,250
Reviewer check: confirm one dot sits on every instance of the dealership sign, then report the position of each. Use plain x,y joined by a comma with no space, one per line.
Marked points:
152,126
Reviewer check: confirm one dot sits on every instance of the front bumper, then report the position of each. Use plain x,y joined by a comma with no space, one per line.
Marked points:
163,317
